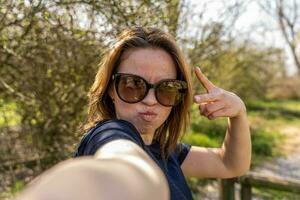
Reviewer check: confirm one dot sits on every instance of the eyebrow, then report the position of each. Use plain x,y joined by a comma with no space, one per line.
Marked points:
159,79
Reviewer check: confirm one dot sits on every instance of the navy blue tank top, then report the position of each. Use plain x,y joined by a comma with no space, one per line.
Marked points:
109,130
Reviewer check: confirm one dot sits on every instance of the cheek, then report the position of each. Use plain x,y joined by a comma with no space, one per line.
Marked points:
123,110
164,113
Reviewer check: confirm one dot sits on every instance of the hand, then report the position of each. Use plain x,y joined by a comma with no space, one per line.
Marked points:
217,102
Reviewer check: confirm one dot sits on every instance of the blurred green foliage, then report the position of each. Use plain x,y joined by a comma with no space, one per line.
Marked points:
264,144
8,114
199,139
18,186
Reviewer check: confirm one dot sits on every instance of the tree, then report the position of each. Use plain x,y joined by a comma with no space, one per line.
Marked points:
49,51
286,14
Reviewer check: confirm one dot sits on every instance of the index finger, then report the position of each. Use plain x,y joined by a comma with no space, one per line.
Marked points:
207,84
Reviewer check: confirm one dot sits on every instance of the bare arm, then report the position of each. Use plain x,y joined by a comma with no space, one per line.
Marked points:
234,157
236,149
119,170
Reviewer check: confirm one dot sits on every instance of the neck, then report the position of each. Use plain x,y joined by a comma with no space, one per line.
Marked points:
147,138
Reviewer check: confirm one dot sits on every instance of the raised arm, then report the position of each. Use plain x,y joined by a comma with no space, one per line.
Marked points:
234,157
119,170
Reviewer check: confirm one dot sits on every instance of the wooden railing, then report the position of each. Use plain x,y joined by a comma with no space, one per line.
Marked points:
227,190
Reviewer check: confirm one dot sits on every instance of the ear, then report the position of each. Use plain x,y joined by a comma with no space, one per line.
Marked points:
111,92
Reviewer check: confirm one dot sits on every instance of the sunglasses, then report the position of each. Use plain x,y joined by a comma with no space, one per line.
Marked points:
132,89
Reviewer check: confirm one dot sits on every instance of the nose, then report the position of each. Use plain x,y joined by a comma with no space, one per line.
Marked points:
150,98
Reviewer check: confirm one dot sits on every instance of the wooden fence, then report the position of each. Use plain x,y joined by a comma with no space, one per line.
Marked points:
227,190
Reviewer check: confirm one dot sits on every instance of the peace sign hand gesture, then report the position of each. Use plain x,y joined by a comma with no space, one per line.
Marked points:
217,102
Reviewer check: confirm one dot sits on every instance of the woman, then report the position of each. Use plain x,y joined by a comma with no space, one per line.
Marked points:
139,110
145,81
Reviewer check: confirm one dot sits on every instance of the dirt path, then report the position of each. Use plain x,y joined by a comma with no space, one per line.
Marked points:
289,165
292,142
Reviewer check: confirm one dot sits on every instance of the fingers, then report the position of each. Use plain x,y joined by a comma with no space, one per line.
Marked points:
203,80
218,113
210,97
212,113
212,104
210,109
205,98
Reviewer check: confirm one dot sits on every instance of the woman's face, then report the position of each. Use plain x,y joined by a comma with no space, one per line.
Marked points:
152,64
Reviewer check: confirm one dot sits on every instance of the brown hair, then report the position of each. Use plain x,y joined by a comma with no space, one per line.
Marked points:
101,105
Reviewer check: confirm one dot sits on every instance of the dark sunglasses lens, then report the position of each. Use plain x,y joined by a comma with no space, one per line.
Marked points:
170,93
131,89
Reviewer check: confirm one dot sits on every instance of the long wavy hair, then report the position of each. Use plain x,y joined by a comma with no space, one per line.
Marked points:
101,105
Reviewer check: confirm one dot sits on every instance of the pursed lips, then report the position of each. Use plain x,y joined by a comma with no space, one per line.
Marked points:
148,115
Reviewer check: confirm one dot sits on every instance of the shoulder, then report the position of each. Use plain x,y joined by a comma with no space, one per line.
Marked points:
104,132
181,152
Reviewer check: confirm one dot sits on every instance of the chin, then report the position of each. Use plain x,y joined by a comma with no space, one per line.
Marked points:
144,131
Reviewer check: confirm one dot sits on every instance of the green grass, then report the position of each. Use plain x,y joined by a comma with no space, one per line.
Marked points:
274,194
199,139
290,105
264,145
275,111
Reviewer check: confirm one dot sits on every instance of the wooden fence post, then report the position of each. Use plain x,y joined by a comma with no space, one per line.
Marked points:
246,193
227,189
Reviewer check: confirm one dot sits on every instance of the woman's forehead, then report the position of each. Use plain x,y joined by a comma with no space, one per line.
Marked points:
150,63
